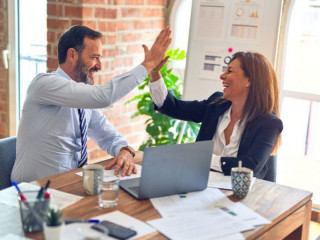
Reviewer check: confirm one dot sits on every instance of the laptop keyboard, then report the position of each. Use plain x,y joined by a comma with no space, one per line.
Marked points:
134,189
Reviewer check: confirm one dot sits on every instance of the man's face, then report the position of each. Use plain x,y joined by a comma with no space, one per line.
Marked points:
88,62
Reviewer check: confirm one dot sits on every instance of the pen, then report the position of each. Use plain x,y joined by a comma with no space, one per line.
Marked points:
46,194
24,200
22,197
47,185
67,221
40,193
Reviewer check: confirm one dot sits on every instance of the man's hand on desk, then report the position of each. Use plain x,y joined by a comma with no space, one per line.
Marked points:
123,160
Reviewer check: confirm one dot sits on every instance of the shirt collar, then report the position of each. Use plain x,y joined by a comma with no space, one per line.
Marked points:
62,73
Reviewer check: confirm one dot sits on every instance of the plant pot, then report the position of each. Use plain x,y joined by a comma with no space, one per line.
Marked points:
52,232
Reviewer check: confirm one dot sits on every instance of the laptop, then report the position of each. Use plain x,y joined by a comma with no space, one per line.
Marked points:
172,169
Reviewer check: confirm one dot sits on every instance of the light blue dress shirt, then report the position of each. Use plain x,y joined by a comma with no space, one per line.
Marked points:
48,140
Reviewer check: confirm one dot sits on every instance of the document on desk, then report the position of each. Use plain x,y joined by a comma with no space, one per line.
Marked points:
77,231
212,224
218,180
211,198
60,199
107,174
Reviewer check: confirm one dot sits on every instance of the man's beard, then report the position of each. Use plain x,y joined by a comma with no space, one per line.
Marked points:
81,74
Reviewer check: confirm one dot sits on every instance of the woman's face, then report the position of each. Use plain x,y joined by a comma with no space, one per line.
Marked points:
236,84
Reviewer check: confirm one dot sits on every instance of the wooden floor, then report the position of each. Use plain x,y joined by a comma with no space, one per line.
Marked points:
314,230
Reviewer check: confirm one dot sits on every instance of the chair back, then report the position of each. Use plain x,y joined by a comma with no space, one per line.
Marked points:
7,159
271,174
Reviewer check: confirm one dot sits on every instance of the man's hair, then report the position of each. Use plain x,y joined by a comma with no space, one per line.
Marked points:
74,38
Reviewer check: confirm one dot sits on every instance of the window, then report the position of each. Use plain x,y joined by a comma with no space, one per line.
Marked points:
299,155
179,22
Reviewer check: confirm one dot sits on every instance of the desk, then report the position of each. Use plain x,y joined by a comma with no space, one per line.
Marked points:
288,208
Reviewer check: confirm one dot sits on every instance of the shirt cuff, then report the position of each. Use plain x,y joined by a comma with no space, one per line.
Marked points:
216,163
158,91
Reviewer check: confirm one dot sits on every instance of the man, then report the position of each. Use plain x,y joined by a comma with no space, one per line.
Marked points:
61,108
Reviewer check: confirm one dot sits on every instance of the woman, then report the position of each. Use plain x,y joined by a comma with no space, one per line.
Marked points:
242,121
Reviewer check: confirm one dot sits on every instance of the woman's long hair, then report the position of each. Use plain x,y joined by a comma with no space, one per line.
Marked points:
263,97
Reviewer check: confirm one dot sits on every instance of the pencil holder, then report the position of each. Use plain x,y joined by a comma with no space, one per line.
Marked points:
32,211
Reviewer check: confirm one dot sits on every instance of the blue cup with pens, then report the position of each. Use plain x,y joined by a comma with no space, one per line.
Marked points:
33,208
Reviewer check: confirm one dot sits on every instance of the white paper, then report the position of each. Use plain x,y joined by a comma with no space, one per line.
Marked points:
175,204
212,224
215,61
245,21
10,221
218,180
243,214
12,236
77,231
108,175
210,21
60,199
207,200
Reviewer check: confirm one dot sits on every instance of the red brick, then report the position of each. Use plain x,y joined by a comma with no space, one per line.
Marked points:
3,96
55,10
118,2
51,37
111,39
90,24
153,13
131,37
134,2
52,63
57,23
142,24
130,12
105,13
134,49
105,65
97,154
106,53
126,130
123,25
3,107
156,2
73,11
93,1
158,24
107,26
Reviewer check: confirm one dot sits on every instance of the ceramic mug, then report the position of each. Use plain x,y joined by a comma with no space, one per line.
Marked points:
92,178
240,181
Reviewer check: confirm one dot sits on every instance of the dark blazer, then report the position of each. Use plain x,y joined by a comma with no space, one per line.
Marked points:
257,138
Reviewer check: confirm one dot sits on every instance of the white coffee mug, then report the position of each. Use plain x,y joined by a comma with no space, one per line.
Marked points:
92,178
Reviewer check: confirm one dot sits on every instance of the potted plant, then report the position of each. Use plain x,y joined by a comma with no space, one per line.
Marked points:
53,224
161,128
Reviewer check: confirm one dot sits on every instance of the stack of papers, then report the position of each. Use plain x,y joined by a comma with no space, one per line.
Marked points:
60,199
208,214
108,174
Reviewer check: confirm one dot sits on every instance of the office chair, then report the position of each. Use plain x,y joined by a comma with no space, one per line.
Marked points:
271,174
7,159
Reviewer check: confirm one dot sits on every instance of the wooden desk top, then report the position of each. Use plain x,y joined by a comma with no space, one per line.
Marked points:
273,201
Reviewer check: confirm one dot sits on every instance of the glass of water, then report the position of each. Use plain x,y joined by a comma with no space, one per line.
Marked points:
108,196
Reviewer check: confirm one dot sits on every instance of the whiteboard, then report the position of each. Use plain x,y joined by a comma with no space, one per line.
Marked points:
219,28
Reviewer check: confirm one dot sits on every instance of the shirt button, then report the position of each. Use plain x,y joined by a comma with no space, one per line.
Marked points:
223,163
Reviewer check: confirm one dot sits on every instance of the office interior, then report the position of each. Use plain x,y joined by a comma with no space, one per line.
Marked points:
28,42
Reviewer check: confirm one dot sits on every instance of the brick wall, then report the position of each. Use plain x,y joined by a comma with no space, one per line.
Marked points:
126,24
4,107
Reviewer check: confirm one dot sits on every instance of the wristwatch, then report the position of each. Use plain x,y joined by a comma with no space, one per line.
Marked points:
130,150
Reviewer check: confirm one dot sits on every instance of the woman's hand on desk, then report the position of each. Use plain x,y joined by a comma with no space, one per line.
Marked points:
123,160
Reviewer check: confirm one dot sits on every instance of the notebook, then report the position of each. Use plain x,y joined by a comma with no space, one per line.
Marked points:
172,169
